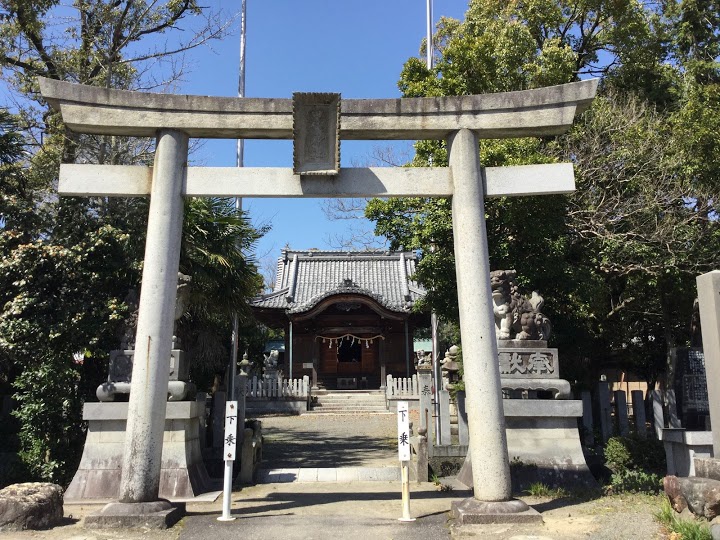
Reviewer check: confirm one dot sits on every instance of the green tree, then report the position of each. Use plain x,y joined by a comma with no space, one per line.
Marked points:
616,260
644,229
216,252
69,264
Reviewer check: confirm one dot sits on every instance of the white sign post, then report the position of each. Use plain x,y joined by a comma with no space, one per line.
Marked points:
229,447
404,455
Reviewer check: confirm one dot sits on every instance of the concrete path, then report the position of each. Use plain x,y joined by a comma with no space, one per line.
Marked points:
369,511
329,448
319,511
329,441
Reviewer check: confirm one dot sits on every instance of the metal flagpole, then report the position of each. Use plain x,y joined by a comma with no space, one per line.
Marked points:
239,158
241,89
437,377
428,53
230,435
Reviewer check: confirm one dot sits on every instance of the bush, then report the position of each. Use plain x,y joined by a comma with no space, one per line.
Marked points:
636,481
637,465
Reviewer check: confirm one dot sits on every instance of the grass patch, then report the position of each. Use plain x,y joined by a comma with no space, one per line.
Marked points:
680,528
538,489
439,485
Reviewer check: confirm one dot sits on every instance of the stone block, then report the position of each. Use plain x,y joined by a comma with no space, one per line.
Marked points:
182,476
316,129
538,408
347,474
308,475
473,512
110,431
378,474
559,388
326,475
707,468
277,476
118,411
542,438
32,505
682,447
528,362
147,515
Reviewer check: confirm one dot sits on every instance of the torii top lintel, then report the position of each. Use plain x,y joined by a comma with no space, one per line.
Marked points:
103,111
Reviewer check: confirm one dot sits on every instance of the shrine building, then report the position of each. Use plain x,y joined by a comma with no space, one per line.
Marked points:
348,316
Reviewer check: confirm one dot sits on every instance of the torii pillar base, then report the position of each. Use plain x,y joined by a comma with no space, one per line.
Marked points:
144,515
470,511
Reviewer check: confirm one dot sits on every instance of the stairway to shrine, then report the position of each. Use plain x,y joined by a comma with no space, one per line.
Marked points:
351,402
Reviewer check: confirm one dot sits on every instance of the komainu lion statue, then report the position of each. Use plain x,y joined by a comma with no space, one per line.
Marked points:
516,317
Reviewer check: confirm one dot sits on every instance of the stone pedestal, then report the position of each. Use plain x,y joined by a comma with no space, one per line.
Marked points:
543,445
148,515
683,448
473,512
182,472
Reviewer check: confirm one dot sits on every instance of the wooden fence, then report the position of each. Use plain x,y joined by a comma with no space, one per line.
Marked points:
259,388
407,387
607,413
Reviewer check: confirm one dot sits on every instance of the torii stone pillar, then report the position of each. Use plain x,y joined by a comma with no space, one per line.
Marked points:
488,442
153,340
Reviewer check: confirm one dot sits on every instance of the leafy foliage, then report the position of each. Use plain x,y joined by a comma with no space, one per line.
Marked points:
52,310
637,464
69,264
616,260
216,241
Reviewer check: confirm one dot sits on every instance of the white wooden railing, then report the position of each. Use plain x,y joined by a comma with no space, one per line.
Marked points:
259,388
406,387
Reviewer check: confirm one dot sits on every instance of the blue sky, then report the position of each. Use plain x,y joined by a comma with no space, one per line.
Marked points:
355,47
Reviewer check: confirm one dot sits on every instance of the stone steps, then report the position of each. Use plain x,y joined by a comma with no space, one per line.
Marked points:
335,475
350,402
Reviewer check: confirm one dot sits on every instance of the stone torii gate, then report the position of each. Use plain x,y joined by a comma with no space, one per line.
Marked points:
316,122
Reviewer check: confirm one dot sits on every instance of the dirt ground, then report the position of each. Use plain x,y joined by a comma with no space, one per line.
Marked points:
361,505
369,510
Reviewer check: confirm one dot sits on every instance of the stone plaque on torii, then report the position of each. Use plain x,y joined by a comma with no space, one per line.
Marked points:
460,120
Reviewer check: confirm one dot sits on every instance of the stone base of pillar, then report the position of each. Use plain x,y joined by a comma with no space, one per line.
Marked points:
182,475
543,445
472,512
146,515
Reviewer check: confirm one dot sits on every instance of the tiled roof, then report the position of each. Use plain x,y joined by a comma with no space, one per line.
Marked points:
304,278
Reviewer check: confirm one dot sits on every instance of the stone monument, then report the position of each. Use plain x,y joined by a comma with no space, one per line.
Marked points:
270,363
182,472
460,120
698,492
121,361
526,362
542,433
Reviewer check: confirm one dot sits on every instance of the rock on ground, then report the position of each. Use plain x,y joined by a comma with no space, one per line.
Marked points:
700,495
32,505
